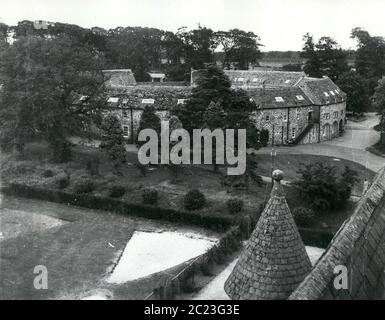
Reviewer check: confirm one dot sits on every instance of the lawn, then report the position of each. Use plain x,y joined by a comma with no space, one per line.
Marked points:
78,254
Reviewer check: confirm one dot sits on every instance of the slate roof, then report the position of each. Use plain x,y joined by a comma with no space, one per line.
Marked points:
274,261
164,97
316,88
119,78
270,98
263,78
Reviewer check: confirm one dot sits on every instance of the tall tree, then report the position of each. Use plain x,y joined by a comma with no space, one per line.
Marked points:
113,142
42,80
324,58
356,89
240,48
149,120
379,103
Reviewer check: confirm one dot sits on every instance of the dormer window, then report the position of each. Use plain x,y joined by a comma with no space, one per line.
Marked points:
287,81
148,101
300,97
279,99
240,79
255,80
332,93
326,94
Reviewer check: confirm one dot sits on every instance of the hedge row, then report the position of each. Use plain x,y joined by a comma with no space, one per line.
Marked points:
216,223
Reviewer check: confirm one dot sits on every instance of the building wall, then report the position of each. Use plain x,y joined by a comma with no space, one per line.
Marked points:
332,117
359,246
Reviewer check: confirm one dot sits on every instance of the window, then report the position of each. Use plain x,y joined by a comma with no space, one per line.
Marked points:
327,116
240,80
300,97
284,117
293,133
335,114
125,115
287,81
255,80
279,99
181,101
148,101
326,94
113,100
332,93
342,112
125,131
267,117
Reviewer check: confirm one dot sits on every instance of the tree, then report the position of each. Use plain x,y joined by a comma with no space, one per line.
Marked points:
149,120
240,48
356,89
174,124
43,81
324,58
322,188
379,103
113,142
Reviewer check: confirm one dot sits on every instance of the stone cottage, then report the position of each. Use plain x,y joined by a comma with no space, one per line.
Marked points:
292,107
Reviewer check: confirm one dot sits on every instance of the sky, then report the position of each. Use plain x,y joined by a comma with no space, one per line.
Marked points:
279,23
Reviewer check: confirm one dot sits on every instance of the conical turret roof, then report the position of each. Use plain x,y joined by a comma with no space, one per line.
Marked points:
274,261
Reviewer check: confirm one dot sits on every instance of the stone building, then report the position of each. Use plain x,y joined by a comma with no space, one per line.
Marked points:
274,261
293,108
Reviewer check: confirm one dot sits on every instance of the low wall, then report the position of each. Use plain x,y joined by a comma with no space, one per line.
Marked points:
359,245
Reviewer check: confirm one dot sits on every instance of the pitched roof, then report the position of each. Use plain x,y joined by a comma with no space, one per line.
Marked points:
119,78
274,261
322,90
263,78
279,97
161,97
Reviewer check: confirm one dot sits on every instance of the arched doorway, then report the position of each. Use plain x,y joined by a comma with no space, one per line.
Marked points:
326,132
342,129
335,129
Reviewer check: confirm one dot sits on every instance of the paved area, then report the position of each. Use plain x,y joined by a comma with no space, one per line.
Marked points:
351,146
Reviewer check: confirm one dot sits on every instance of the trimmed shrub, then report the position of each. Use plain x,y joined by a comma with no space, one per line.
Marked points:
62,182
234,205
303,216
117,191
194,200
84,186
150,196
48,173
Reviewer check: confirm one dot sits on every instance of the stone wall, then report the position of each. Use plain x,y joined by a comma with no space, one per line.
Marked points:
359,245
332,116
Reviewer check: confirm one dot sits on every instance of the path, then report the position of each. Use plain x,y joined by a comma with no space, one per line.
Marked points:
351,146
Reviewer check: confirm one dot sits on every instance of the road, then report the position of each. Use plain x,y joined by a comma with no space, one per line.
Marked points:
350,146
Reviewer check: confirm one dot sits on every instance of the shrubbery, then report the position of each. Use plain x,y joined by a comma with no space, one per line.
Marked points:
264,137
303,216
234,205
322,188
62,182
150,196
194,200
117,191
84,186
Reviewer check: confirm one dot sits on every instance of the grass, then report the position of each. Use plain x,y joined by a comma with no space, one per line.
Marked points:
77,254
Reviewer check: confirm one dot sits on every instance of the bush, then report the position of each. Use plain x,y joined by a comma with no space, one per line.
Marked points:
117,191
150,196
48,173
194,200
234,205
303,216
264,137
62,182
84,186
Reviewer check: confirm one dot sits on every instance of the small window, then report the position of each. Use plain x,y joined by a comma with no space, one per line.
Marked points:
113,100
300,98
181,101
284,117
287,81
255,80
267,117
326,94
293,132
148,101
125,131
125,115
332,93
240,79
279,99
125,101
